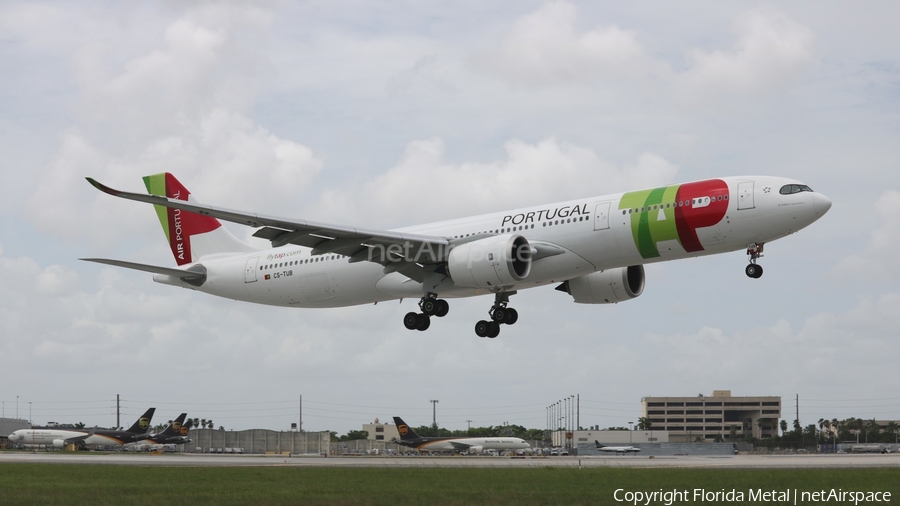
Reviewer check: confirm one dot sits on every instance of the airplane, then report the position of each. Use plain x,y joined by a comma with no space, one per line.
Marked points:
175,433
408,437
60,438
594,248
616,449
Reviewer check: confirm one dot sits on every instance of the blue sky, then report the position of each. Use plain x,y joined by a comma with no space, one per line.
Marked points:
391,114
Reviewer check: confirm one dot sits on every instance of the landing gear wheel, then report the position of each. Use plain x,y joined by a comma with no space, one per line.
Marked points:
505,315
495,330
482,328
424,322
411,321
443,307
429,306
754,271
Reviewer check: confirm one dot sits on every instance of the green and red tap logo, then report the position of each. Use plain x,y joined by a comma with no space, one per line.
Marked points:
674,213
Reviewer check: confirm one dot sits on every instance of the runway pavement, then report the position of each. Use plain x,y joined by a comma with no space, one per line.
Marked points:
205,460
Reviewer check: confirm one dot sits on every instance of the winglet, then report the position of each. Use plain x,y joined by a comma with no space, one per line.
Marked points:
102,187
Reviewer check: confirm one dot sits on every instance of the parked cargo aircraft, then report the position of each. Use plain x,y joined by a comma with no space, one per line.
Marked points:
408,437
593,248
616,449
175,433
60,438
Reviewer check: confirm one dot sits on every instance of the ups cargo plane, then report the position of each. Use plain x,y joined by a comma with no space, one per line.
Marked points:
594,248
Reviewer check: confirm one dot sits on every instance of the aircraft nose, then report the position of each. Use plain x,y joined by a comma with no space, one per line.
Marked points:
821,204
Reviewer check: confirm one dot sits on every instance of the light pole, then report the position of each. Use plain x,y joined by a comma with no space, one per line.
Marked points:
17,407
469,426
572,414
630,431
434,413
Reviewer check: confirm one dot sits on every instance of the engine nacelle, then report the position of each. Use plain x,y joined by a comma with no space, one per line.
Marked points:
59,443
491,262
606,287
475,449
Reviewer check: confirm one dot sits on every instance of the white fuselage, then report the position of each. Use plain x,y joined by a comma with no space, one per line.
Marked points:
479,443
618,449
599,233
57,438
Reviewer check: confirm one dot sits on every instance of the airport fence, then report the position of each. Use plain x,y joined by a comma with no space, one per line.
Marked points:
258,441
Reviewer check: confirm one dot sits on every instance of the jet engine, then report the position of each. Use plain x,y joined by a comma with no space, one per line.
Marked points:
606,287
59,443
475,449
491,262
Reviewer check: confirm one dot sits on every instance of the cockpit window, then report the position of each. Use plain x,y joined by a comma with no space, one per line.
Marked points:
790,189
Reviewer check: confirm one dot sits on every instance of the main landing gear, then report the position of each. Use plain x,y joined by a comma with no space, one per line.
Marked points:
430,306
500,314
754,251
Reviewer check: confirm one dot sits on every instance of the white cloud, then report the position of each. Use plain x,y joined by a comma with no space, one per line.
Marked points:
180,107
545,47
878,259
771,52
301,110
425,183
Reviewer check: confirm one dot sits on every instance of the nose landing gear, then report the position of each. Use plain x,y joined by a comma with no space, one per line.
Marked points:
754,251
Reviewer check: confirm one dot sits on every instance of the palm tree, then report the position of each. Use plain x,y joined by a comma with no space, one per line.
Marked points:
784,427
643,423
892,429
203,423
874,428
823,424
209,423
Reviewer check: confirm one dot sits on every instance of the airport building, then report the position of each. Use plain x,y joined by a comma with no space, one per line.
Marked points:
10,425
386,432
719,417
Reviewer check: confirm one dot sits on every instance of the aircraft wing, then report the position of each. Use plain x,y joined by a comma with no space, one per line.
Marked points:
400,252
459,446
80,439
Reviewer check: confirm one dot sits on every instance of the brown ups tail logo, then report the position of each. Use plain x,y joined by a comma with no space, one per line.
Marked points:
403,429
184,431
144,423
176,426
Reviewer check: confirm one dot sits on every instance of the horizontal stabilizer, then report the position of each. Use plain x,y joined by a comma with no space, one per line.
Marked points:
196,275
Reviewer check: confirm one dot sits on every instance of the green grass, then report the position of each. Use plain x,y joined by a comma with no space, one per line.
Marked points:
95,484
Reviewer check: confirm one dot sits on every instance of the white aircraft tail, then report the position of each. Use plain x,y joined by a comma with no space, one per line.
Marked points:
191,236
